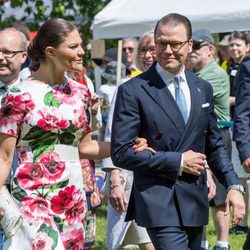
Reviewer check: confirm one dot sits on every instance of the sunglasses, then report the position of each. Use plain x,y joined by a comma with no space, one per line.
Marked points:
130,49
197,46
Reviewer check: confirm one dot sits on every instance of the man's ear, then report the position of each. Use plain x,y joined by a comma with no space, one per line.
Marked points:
24,56
50,52
190,45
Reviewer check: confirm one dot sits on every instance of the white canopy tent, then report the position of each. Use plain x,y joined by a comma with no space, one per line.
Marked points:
125,18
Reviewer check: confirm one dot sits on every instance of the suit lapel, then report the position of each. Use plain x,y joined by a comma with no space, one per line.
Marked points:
158,91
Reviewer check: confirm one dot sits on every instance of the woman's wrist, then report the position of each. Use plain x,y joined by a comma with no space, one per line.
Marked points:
116,182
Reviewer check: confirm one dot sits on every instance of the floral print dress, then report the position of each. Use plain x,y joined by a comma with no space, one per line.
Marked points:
48,121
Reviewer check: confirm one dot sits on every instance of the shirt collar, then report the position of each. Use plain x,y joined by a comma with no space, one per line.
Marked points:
168,77
11,85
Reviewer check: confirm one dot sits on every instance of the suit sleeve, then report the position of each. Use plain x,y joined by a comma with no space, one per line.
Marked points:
217,155
242,112
127,120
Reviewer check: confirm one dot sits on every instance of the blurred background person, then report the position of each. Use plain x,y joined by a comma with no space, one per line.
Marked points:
223,56
242,121
238,50
120,181
203,62
130,47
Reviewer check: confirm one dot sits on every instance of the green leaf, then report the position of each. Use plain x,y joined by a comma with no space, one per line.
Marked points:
44,141
36,133
71,129
15,90
43,145
66,138
37,152
59,222
62,184
51,233
18,193
49,100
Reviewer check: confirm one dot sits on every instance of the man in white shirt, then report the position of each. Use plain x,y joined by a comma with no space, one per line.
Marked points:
13,47
173,109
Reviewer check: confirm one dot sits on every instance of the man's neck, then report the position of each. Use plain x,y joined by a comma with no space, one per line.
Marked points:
11,81
201,65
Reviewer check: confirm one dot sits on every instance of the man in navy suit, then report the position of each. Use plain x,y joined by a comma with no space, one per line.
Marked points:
173,110
242,120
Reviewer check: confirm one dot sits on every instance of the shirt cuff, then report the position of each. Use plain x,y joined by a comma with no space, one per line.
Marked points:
181,166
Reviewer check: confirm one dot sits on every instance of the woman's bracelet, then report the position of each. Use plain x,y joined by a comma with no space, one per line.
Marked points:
112,186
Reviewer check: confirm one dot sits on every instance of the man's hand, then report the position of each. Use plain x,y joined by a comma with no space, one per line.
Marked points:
210,185
235,200
246,165
193,163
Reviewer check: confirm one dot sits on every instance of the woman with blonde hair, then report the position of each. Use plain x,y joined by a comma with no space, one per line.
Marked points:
120,232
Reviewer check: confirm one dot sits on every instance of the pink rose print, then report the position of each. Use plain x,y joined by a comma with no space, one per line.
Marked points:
70,202
32,176
14,107
53,166
24,154
70,93
80,118
42,242
51,119
35,210
73,240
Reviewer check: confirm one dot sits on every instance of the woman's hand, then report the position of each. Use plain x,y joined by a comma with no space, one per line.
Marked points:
142,144
117,198
117,195
95,103
1,216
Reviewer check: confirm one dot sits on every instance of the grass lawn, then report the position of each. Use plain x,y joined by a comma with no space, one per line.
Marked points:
235,241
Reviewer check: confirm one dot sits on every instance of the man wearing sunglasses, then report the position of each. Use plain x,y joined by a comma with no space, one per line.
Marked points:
173,109
202,61
13,46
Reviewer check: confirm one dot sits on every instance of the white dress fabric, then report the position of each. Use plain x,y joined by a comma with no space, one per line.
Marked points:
48,121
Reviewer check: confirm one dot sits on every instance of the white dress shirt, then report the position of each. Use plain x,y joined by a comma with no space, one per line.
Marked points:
169,80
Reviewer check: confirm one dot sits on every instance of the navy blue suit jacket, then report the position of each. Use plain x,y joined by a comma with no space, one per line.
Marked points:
146,108
242,110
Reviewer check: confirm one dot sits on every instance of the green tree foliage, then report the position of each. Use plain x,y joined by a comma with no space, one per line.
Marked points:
81,12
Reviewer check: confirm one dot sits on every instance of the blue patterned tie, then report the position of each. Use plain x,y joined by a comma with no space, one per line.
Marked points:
180,98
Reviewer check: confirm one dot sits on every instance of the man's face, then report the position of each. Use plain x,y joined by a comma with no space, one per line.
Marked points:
201,53
129,49
172,47
10,63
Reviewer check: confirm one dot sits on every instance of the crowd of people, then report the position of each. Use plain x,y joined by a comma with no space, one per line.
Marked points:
173,137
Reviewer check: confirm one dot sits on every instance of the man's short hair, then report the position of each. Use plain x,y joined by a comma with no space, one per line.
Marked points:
23,44
174,19
23,27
